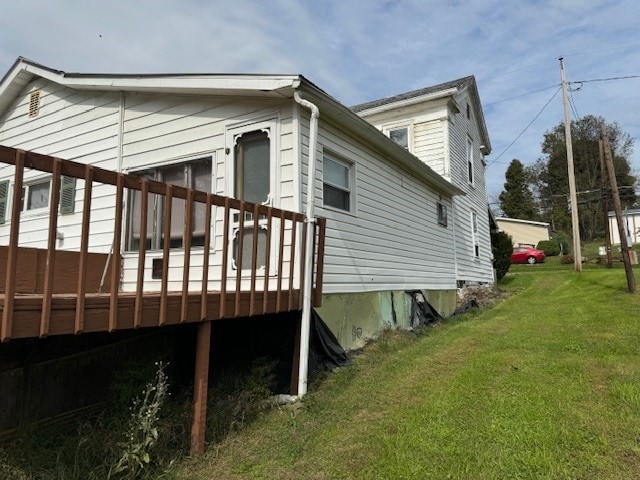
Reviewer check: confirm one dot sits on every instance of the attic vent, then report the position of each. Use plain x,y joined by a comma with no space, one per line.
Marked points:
34,103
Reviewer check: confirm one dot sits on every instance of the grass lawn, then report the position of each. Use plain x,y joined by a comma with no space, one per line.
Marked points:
545,384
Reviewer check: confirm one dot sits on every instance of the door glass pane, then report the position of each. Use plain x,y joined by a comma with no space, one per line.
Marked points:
252,167
247,248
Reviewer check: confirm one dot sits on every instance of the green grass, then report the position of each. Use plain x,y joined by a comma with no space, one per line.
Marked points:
545,384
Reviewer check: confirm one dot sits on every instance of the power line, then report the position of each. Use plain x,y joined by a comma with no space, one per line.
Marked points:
572,103
521,95
605,79
525,129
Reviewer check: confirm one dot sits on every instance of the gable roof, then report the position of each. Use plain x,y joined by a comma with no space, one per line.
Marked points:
283,86
441,90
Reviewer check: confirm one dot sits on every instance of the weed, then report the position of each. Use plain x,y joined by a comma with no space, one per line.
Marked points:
142,434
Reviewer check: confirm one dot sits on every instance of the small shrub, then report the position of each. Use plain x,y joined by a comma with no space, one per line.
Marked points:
566,259
564,242
551,248
502,248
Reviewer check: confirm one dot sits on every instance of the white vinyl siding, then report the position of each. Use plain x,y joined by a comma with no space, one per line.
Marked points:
392,241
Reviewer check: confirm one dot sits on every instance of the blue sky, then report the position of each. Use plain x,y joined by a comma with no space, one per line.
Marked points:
360,50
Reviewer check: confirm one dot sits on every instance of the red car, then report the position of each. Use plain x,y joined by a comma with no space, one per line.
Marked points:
527,255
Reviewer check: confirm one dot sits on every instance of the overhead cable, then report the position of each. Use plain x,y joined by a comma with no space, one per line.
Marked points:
525,128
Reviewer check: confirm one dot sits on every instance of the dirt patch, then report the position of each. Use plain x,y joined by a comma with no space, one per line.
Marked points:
480,297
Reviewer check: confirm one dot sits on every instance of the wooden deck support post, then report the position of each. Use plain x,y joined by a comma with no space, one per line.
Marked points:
200,386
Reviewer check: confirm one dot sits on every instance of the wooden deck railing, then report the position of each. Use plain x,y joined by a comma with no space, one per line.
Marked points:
279,276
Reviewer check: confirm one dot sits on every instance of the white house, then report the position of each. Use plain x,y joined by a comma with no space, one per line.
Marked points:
631,219
524,232
397,217
443,125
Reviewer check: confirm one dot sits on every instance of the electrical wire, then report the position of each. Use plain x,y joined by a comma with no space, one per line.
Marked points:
572,103
525,129
606,79
521,95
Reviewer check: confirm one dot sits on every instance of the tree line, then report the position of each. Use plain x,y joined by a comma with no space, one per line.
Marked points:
540,191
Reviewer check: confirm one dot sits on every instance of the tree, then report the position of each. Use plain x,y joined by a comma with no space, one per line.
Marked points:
516,200
550,173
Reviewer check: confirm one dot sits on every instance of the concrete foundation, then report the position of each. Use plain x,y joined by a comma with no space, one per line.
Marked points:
355,318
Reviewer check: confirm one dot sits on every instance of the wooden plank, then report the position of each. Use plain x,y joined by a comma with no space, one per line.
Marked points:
292,263
12,254
322,229
73,169
280,264
240,244
268,260
115,255
200,387
84,249
186,239
302,258
205,259
142,250
225,259
50,264
166,243
254,262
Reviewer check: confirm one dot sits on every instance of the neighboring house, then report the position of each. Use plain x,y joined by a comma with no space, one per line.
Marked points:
246,136
631,219
444,127
524,232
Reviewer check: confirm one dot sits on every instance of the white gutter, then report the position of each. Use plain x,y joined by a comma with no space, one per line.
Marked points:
305,322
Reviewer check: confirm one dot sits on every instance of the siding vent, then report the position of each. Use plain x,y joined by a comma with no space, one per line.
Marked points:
34,103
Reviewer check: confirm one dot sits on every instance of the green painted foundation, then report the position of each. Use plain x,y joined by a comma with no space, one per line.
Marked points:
355,318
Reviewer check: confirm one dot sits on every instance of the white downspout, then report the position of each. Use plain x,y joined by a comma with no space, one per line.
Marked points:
305,322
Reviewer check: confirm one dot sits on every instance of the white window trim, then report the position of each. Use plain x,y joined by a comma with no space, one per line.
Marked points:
232,132
127,251
471,174
475,238
386,129
351,168
34,212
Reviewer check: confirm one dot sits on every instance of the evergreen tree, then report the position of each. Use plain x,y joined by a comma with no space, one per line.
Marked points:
551,174
516,200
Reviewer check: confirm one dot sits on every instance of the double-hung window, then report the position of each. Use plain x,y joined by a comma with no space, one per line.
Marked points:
470,160
195,174
474,235
337,180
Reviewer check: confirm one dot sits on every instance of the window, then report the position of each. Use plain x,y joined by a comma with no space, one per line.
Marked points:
442,214
468,111
400,136
194,174
35,196
474,235
470,160
336,183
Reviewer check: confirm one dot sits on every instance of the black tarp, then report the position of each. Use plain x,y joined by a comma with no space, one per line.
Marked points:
325,352
422,312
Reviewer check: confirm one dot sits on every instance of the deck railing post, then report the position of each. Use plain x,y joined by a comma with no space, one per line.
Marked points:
12,253
84,249
50,265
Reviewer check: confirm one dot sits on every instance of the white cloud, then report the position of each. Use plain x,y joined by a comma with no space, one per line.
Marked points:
359,50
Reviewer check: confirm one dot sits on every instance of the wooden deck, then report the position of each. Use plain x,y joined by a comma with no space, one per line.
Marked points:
51,292
27,310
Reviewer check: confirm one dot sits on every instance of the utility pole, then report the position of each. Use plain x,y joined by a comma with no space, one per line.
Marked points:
575,225
624,246
605,203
